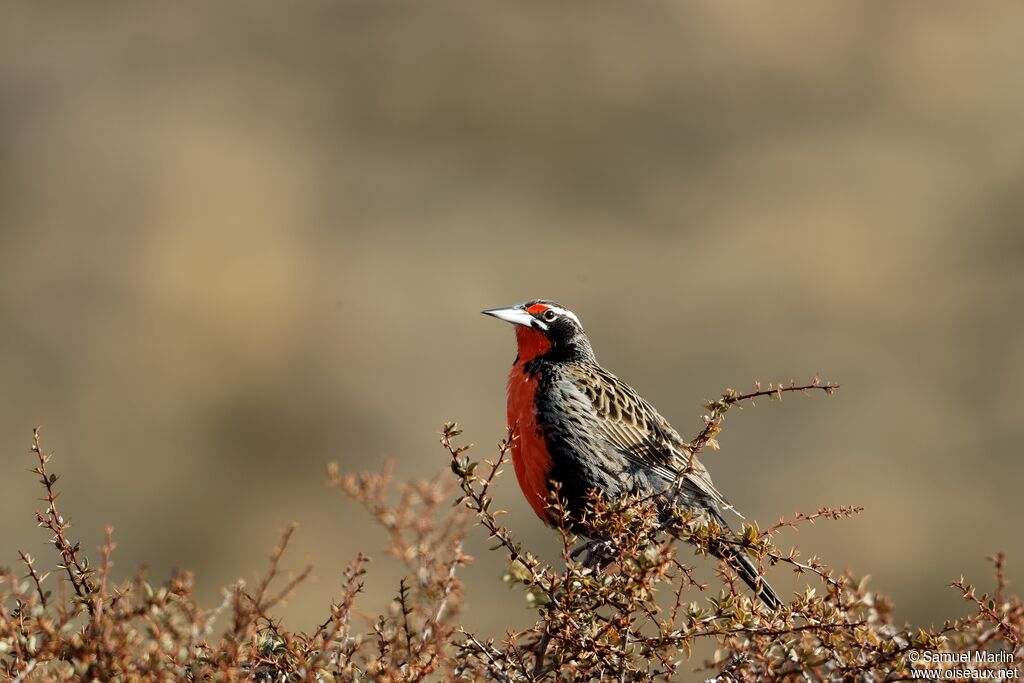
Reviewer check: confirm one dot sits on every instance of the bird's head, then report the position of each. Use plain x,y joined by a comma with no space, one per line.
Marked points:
543,328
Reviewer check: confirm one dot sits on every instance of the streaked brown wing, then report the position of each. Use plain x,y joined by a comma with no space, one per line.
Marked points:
640,433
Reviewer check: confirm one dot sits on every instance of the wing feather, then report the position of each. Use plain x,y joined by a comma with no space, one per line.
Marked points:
639,433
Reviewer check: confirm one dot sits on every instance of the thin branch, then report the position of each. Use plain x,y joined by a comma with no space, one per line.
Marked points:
77,573
37,579
730,397
446,590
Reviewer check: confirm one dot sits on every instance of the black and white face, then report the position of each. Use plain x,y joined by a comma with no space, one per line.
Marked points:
542,326
546,316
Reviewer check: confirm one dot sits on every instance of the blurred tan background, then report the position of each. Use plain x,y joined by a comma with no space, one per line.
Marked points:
240,240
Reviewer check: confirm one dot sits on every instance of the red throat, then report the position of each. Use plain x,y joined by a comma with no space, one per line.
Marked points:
532,343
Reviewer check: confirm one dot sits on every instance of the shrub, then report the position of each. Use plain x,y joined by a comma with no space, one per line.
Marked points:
632,616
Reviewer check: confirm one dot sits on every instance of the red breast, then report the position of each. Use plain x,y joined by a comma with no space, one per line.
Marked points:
530,456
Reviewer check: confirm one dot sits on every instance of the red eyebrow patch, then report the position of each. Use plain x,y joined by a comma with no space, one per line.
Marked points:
537,308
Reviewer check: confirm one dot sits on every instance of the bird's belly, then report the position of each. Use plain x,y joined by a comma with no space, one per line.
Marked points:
530,456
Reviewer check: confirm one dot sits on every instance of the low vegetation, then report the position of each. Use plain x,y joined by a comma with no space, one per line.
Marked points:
633,615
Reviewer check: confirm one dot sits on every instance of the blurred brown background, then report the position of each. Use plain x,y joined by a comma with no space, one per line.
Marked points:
240,240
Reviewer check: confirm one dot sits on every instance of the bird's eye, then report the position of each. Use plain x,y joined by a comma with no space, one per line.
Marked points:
549,315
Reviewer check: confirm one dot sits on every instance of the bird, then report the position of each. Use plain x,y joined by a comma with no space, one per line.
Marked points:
578,428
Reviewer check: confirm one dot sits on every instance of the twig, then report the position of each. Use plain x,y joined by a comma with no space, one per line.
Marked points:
492,663
842,512
38,579
101,595
476,497
403,594
78,575
457,559
986,607
259,600
730,397
275,559
29,668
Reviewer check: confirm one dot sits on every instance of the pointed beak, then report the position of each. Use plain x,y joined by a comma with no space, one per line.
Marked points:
512,314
